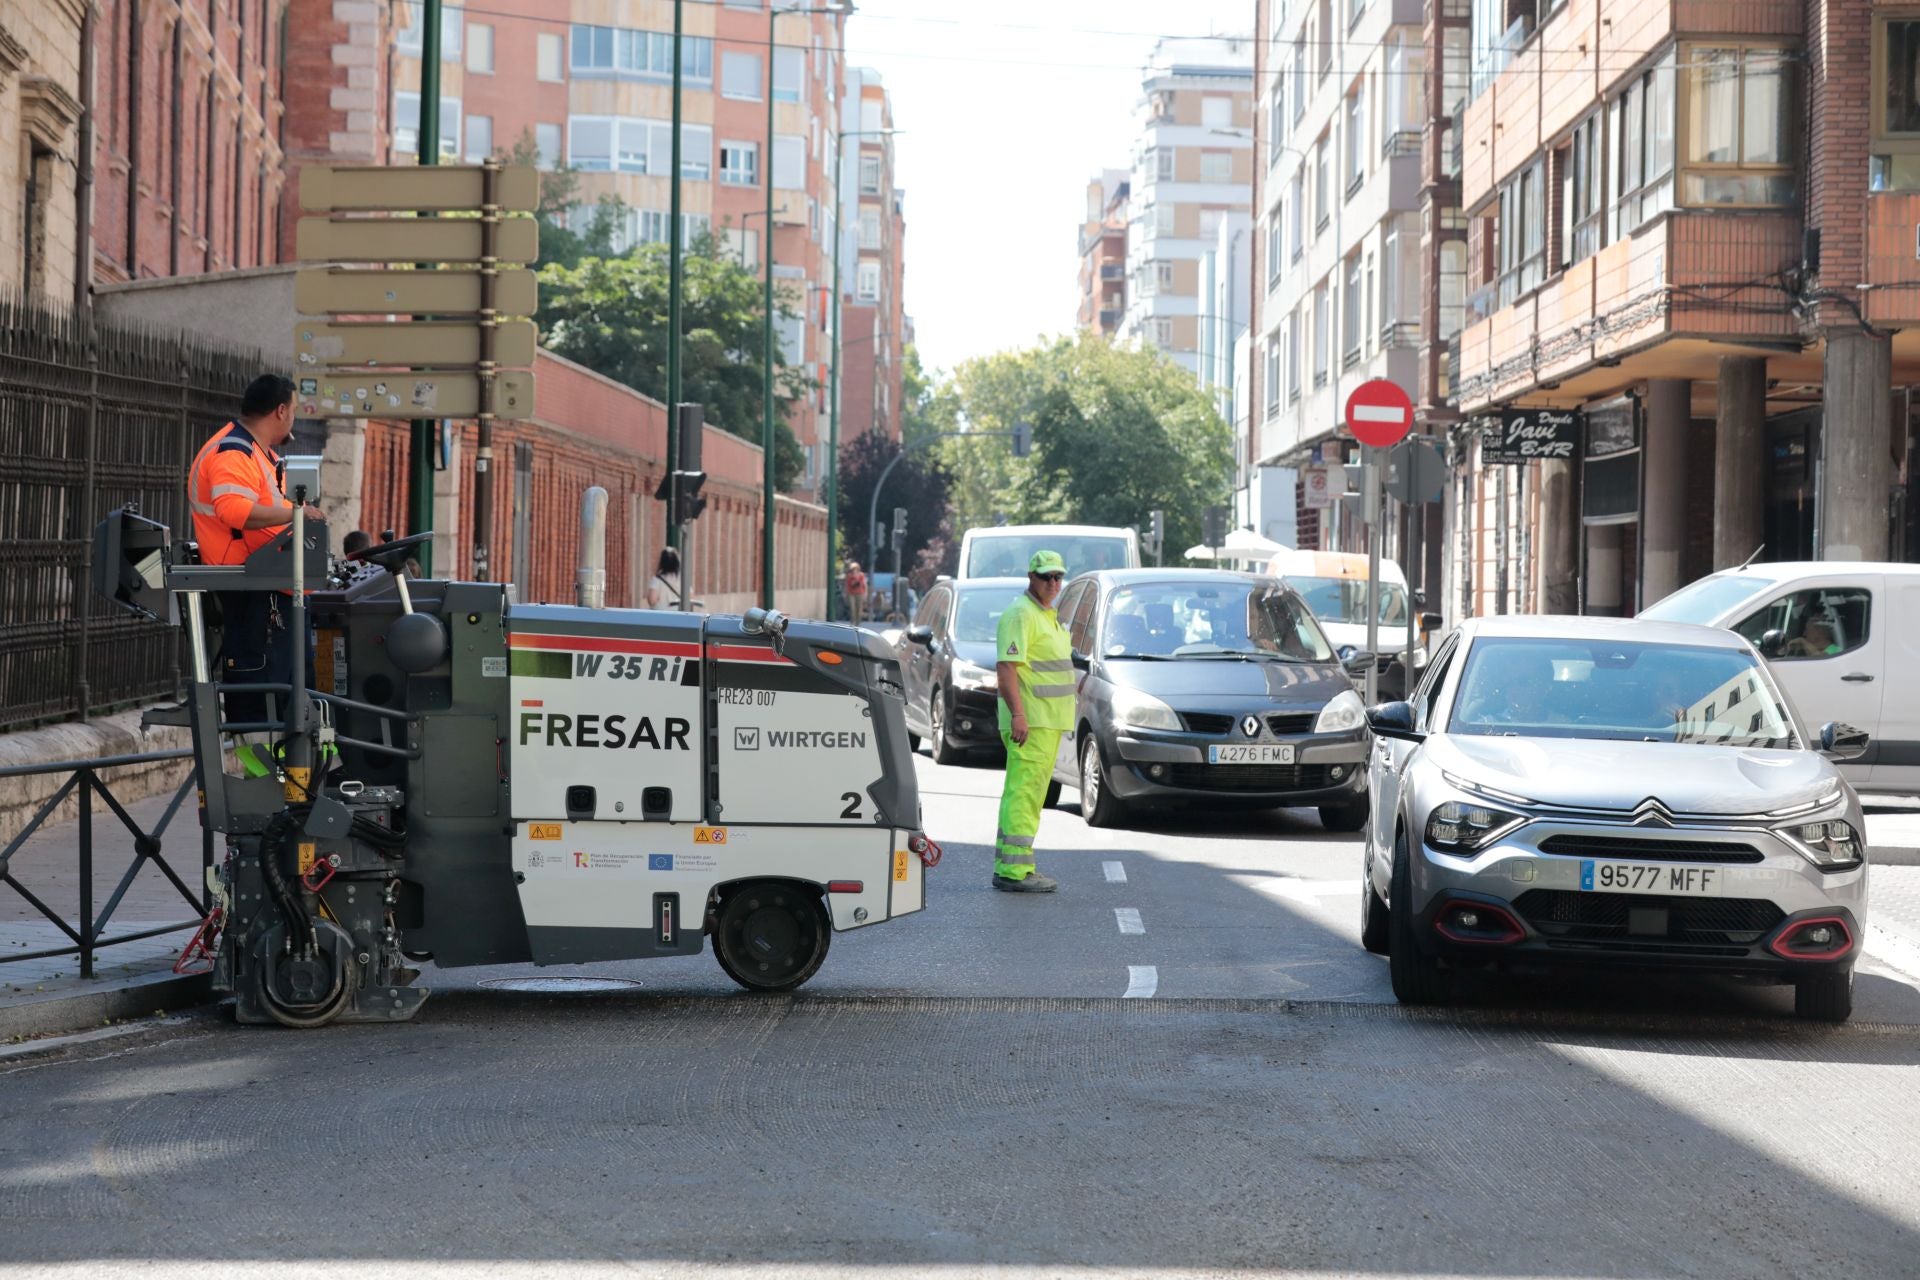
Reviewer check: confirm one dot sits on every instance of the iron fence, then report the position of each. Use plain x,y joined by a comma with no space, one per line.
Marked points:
92,416
88,928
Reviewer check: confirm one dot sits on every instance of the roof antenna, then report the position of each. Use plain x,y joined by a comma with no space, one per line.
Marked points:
1755,556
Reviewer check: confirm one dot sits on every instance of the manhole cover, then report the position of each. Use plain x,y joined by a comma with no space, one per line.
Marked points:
560,986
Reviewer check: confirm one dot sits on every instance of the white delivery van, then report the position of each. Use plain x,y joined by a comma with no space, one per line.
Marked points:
1846,650
1334,585
1003,551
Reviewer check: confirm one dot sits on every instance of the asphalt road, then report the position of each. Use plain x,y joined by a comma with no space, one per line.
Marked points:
971,1091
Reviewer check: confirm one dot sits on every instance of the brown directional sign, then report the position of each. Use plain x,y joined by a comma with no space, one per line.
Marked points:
442,188
412,240
349,393
321,290
423,344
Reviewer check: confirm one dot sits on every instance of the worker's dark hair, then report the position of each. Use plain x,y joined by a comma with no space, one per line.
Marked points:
265,394
669,561
358,540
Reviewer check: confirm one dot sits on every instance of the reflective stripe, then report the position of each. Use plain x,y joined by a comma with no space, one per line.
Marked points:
1052,664
1022,842
240,490
1014,859
1051,690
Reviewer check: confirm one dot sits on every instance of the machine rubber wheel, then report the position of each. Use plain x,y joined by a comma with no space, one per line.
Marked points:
944,752
1351,816
772,935
1373,915
1417,978
1098,805
1825,997
307,1019
1053,795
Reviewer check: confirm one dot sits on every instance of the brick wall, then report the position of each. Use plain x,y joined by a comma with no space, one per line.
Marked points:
1839,69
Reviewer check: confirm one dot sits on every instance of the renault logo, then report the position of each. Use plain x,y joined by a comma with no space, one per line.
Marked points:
1651,813
1251,726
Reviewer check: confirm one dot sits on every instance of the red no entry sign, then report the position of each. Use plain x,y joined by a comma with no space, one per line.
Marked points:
1379,413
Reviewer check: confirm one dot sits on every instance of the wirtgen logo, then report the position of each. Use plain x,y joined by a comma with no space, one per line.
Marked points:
746,739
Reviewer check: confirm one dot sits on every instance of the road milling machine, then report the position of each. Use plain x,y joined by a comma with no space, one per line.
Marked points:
475,781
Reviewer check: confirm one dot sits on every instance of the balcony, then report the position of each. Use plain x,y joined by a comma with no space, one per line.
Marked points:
1113,271
1400,333
1401,142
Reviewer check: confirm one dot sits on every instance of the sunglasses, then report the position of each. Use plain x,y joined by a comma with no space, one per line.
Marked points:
1052,577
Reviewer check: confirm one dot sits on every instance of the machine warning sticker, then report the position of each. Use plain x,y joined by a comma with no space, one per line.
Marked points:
899,864
543,830
306,851
709,835
493,668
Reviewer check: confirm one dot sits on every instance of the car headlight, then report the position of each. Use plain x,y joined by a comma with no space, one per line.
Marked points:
1464,827
1143,711
971,675
1832,845
1343,714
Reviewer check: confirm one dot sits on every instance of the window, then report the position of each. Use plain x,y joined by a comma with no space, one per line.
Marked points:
1740,108
869,175
480,49
411,38
790,331
1355,9
869,228
1322,179
740,164
1273,378
1164,220
1895,165
1276,247
1323,31
740,76
546,146
406,124
1296,216
623,51
1643,149
789,161
1216,112
1290,331
1300,76
600,143
789,74
1521,234
1163,333
1350,312
1823,622
742,245
868,288
548,48
1216,166
1163,275
1356,138
1163,161
746,4
479,138
1580,202
1277,125
1320,335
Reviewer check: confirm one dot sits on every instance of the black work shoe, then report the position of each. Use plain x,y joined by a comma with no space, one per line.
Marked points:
1032,882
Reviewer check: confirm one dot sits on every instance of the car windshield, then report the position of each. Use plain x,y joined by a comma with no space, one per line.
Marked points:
1007,555
1619,691
1345,599
1706,600
976,614
1212,620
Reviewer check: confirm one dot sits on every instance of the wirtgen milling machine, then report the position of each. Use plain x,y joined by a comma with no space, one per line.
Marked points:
477,781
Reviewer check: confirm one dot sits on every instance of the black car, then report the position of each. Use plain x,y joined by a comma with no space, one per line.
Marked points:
1203,685
947,660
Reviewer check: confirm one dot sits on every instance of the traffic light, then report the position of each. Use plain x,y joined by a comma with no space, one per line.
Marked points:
1157,533
1022,439
899,534
1213,526
690,422
688,504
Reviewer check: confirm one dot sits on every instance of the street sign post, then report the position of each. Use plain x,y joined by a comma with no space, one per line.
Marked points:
1379,415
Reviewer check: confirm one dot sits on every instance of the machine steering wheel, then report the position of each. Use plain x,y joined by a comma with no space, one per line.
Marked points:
391,556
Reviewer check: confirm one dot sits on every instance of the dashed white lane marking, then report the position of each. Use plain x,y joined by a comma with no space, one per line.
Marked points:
1128,918
1142,981
1116,874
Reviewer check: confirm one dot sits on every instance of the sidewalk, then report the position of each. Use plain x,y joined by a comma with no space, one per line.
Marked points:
130,979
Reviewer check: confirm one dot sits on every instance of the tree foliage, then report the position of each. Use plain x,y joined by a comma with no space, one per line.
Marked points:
918,483
1117,432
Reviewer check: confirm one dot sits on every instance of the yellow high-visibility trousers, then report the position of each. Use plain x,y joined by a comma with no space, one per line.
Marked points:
1029,771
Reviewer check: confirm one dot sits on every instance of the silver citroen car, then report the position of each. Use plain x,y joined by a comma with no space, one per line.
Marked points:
1591,791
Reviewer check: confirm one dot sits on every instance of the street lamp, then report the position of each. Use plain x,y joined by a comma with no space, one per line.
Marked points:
833,376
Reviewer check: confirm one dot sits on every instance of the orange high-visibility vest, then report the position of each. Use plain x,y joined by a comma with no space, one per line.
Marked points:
231,473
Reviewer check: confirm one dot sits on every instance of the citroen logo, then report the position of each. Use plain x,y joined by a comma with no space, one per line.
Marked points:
1251,726
1651,813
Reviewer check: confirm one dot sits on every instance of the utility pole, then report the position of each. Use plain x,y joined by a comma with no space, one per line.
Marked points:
673,275
833,377
423,439
766,391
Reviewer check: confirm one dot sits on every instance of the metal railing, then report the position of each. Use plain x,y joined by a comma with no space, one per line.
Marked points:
88,930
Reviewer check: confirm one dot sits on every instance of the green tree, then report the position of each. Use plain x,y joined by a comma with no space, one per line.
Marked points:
1117,431
918,483
610,314
559,193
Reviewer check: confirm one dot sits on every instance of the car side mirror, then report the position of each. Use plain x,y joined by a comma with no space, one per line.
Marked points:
1772,643
920,633
1358,661
1393,720
1081,662
1419,599
1840,742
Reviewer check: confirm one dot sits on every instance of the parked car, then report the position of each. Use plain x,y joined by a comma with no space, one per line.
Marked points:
1003,551
1590,791
1843,640
947,664
1204,685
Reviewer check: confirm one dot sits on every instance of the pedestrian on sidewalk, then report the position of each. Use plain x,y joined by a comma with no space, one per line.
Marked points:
1034,662
663,592
853,585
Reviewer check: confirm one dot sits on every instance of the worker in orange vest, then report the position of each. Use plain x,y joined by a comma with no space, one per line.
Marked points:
233,491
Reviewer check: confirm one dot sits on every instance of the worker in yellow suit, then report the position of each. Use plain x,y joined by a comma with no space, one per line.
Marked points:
1035,665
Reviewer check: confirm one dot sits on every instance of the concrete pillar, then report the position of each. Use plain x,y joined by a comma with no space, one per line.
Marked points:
1606,585
1740,462
1856,460
1559,545
1663,467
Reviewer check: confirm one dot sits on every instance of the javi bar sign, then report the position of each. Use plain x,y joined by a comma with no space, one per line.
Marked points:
1529,435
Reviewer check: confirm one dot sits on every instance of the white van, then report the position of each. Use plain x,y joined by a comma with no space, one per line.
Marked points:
1334,585
1847,649
1002,551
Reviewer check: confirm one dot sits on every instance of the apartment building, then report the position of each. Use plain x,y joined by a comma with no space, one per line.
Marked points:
1103,253
873,312
1691,231
589,83
1342,107
1193,167
41,57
